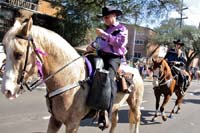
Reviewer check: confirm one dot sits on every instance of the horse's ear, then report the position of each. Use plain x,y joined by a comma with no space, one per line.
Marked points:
24,17
27,27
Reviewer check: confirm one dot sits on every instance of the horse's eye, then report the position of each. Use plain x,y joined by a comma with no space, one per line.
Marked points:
18,55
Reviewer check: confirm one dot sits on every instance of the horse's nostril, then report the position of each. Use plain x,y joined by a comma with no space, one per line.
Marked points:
7,93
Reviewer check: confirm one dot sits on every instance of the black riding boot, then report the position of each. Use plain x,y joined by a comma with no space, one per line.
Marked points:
187,83
181,83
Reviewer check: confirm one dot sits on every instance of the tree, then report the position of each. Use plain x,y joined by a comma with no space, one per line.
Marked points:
167,32
80,15
191,37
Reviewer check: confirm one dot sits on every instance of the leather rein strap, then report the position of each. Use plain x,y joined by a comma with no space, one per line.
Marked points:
30,41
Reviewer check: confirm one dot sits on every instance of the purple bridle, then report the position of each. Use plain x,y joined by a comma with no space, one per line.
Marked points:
38,53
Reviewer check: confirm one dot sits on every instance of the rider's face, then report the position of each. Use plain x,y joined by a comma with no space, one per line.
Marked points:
178,46
109,19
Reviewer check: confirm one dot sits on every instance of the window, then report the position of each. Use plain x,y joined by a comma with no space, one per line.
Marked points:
139,42
140,33
137,55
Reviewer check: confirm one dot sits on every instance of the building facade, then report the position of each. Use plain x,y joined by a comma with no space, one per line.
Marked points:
44,14
138,40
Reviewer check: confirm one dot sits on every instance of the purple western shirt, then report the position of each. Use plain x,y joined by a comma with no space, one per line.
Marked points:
115,44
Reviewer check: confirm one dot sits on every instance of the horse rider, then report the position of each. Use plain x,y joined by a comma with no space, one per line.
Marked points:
176,60
111,47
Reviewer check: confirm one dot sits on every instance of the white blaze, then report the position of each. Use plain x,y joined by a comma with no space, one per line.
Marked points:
162,51
9,77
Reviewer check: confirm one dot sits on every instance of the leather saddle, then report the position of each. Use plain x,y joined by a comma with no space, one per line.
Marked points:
124,79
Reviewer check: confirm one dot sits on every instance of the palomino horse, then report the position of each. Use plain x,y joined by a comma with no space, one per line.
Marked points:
66,89
164,83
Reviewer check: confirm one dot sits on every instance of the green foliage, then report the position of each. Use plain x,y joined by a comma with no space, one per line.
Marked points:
80,15
190,35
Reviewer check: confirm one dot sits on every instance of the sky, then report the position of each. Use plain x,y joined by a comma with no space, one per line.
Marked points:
192,13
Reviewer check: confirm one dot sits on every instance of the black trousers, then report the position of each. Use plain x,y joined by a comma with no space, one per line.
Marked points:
180,78
111,63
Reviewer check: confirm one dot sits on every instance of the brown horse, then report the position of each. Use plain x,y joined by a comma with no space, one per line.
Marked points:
165,84
66,95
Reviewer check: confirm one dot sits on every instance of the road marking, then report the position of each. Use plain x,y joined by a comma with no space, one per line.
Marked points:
144,101
192,94
142,108
46,117
127,104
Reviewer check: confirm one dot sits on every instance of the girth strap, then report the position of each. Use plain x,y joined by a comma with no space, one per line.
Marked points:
63,89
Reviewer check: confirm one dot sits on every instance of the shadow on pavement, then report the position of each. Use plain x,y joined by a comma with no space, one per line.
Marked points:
123,118
195,101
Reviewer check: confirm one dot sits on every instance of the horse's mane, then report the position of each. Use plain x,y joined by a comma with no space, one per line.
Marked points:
62,51
46,39
54,43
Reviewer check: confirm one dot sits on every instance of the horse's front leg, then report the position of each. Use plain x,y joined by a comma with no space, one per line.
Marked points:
162,108
72,127
72,123
54,125
172,112
134,116
157,96
115,118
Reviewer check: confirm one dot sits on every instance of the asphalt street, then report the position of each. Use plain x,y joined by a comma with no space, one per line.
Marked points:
28,114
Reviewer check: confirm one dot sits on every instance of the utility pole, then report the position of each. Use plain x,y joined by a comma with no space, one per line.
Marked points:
180,11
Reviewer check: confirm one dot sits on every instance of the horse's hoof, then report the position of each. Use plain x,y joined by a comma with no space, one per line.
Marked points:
164,118
153,119
101,126
170,116
177,112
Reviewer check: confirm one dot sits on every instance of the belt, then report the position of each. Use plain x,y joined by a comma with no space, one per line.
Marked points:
111,55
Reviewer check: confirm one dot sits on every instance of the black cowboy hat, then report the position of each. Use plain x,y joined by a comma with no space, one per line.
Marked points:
178,42
109,10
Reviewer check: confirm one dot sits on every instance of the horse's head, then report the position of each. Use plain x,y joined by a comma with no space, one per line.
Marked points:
155,68
161,70
20,58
